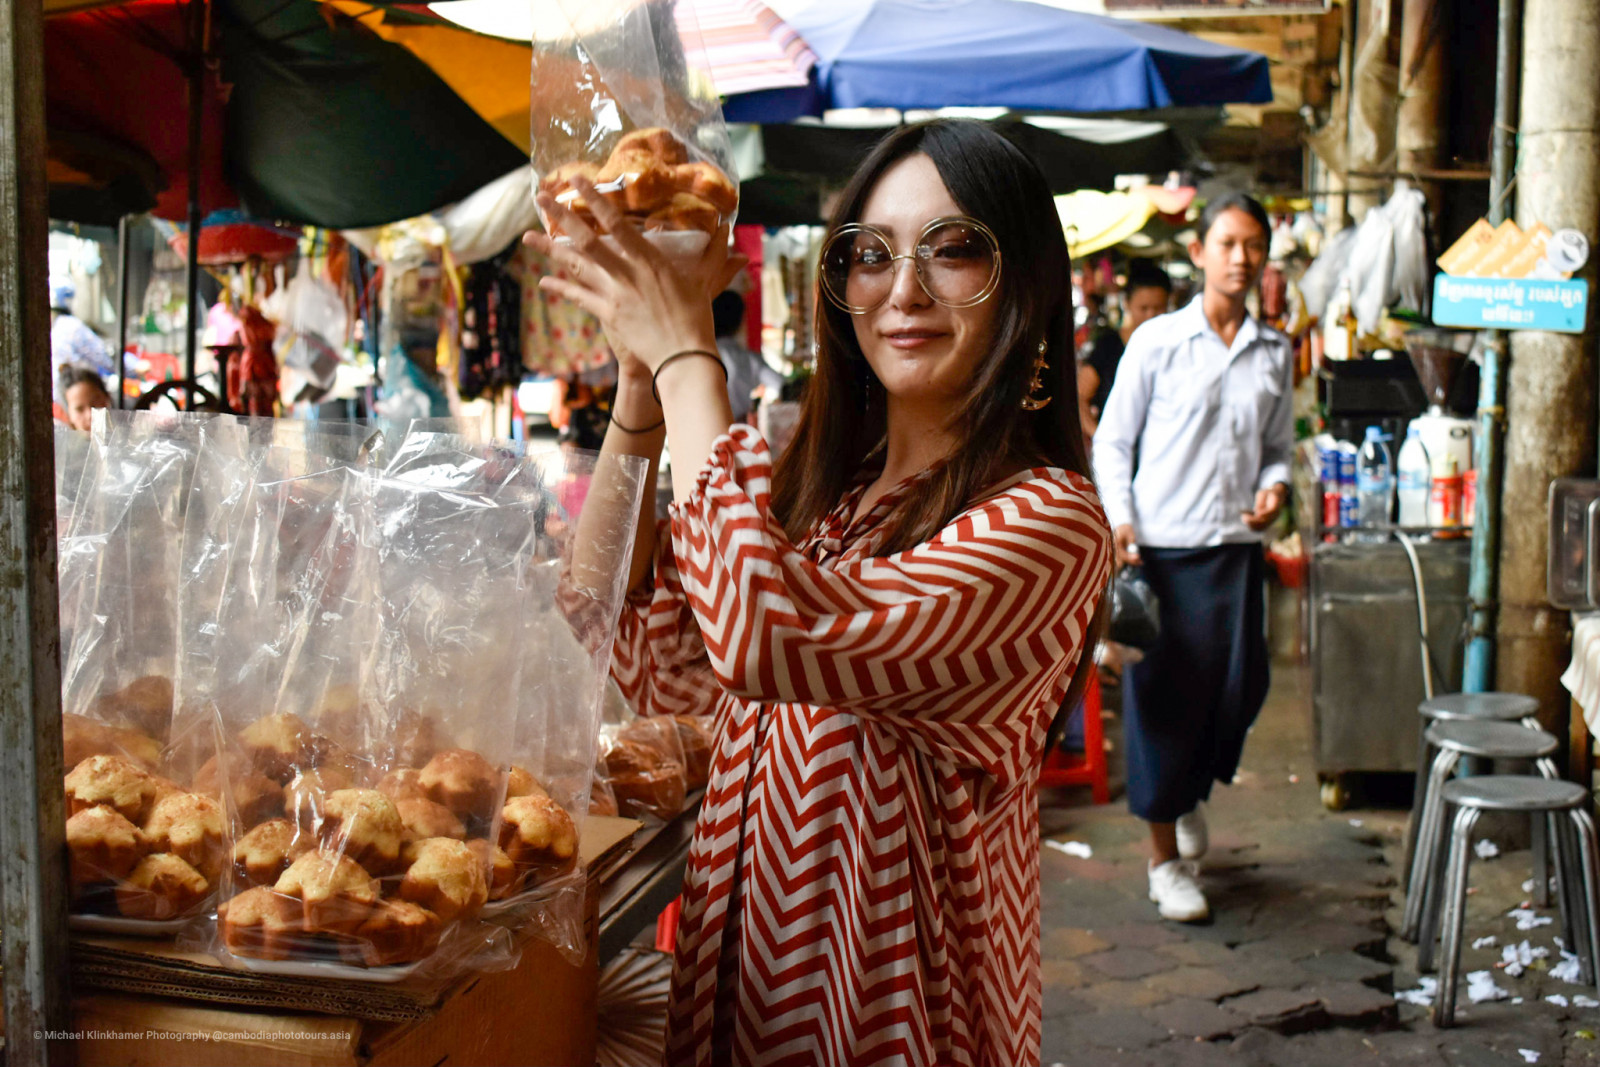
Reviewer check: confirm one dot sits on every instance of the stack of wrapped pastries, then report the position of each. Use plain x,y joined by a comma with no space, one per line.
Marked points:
651,180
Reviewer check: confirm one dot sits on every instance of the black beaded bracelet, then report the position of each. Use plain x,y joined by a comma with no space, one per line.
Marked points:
681,355
645,429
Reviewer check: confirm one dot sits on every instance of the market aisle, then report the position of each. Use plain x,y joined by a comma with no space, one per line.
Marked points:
1294,969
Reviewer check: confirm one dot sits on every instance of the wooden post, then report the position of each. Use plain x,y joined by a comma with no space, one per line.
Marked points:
33,875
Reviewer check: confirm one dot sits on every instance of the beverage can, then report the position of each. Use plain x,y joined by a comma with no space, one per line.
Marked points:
1446,504
1347,484
1469,499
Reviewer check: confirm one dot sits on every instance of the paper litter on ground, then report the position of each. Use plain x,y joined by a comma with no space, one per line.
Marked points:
1427,986
1557,999
1071,848
1528,919
1518,958
1581,1001
1527,887
1484,942
1481,987
1528,1055
1567,970
1516,1000
1486,849
1355,822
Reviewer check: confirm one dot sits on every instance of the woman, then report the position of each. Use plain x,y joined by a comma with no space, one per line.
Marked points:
1203,397
1146,295
83,391
892,613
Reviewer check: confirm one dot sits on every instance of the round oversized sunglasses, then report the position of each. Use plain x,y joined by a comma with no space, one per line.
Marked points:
957,261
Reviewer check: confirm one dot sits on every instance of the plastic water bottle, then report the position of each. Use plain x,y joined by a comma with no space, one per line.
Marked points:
1415,471
1374,484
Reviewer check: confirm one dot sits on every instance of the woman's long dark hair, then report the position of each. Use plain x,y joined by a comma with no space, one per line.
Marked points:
842,418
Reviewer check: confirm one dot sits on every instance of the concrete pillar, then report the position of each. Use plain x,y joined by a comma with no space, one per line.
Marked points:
1420,134
1551,412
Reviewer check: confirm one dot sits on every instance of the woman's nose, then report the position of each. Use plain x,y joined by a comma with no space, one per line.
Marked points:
906,289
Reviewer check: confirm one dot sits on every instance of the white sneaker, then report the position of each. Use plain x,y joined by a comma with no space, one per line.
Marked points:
1193,841
1176,893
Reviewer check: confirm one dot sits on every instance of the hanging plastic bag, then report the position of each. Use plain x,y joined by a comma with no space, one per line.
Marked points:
621,96
1409,286
1135,610
1322,277
315,323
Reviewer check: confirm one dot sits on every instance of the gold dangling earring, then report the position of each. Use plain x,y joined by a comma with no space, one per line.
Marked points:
1031,401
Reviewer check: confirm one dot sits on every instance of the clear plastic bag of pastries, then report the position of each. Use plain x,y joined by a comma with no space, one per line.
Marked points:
144,848
624,98
366,690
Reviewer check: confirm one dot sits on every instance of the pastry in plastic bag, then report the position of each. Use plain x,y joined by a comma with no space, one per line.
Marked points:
694,734
145,703
536,833
404,783
162,886
261,856
502,874
277,745
262,923
650,178
602,801
256,797
364,825
446,878
462,781
336,891
424,818
103,845
82,737
110,781
191,827
521,783
396,931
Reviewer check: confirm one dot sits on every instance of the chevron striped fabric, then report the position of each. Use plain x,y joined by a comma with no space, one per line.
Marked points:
863,887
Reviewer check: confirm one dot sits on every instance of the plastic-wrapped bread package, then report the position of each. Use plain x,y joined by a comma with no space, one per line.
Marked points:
622,95
145,847
573,599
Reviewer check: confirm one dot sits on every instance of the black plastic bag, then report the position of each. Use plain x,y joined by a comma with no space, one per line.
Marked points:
1135,610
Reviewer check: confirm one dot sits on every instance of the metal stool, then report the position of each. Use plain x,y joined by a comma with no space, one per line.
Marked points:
1453,740
1576,872
1460,707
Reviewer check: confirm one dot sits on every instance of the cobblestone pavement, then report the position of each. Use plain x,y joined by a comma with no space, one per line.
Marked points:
1298,966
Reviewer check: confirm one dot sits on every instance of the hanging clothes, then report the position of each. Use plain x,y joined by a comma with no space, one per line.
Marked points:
559,339
491,328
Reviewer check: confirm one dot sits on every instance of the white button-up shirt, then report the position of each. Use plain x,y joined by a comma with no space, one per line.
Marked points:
1208,424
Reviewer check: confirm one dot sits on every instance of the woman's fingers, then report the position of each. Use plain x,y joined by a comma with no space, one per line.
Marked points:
579,241
614,222
580,295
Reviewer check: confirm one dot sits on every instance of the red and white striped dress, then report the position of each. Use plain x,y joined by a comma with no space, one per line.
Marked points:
863,887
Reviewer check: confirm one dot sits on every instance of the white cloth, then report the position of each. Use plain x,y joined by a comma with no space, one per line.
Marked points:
1582,678
1210,425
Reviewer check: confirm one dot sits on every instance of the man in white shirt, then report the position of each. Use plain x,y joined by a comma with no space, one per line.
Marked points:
1192,459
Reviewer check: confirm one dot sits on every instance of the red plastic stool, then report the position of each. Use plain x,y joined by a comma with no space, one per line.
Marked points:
1090,768
667,927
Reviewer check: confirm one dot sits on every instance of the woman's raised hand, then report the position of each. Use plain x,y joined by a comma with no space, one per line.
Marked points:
650,305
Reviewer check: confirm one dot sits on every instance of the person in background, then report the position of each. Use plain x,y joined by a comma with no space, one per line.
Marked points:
1144,297
71,339
83,391
1192,460
746,369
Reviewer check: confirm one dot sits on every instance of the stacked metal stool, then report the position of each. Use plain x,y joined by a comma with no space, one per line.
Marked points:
1497,726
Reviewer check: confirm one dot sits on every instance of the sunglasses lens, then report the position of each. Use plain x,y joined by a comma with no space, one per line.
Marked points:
958,264
857,270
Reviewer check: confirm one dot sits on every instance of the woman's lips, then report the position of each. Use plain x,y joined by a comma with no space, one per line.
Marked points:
906,339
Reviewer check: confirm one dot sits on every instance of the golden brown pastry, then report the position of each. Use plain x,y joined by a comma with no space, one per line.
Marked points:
191,827
261,856
659,792
635,752
103,845
602,801
709,184
536,833
82,737
684,211
404,783
337,764
424,818
462,781
503,877
261,923
337,892
397,931
277,745
144,702
364,825
110,781
256,797
521,783
446,878
654,141
162,886
558,180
